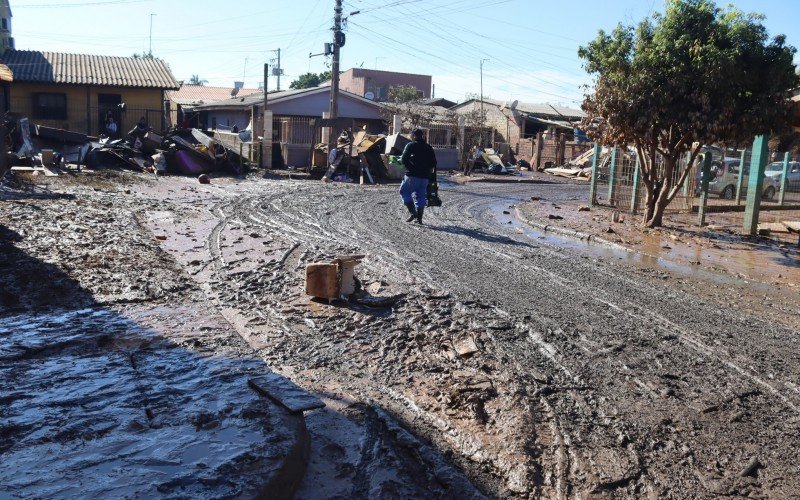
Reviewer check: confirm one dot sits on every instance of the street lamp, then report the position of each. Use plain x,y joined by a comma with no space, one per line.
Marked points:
483,116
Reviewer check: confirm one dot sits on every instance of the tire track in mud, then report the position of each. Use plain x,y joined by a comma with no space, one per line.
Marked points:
622,330
383,239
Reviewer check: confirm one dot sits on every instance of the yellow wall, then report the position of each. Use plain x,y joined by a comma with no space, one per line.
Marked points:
138,102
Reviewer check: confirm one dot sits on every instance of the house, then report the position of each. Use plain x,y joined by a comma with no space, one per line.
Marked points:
439,102
375,84
77,91
292,115
6,40
189,96
515,121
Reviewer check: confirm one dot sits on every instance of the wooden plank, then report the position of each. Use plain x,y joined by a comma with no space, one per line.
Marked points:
792,225
285,392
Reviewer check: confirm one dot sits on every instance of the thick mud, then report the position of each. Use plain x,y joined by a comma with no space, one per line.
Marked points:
538,368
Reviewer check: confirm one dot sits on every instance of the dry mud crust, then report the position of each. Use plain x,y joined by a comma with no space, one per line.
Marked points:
592,377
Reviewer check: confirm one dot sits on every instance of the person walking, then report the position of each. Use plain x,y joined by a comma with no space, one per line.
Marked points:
419,161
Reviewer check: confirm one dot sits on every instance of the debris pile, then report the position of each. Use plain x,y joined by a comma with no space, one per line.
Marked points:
360,155
49,151
578,168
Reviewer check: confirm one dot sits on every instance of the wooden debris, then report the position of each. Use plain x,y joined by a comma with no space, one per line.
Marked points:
285,392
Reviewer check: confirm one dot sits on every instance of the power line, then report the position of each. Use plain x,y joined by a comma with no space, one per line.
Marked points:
82,4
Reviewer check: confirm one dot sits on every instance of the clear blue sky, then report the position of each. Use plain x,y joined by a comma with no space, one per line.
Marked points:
531,44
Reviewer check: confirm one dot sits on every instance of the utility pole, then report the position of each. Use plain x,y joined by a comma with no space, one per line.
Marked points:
151,34
276,68
265,158
280,70
338,41
483,116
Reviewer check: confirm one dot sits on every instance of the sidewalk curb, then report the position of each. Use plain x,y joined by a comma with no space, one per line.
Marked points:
571,233
501,180
293,469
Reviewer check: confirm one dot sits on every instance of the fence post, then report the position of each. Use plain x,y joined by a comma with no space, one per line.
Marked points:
266,143
758,161
593,183
635,188
688,180
784,178
612,174
537,159
740,179
701,219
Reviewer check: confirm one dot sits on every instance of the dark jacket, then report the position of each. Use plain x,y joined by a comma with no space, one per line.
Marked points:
419,159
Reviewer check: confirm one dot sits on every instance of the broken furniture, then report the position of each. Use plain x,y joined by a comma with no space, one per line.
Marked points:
334,279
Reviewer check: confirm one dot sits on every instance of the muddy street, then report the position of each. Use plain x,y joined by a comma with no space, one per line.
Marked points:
478,347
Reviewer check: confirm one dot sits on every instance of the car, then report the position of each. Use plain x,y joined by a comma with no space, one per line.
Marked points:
724,177
775,170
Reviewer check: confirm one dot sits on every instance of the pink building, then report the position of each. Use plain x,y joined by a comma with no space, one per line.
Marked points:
374,84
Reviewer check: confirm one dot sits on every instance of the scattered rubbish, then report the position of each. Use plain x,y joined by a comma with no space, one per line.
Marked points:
583,209
332,280
377,301
48,150
751,467
554,217
204,179
465,345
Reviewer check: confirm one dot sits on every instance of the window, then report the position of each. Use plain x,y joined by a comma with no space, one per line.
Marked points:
5,23
49,106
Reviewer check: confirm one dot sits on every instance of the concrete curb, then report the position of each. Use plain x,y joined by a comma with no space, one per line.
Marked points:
501,180
292,470
571,233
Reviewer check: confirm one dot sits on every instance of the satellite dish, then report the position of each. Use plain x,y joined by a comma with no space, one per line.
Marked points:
370,96
514,104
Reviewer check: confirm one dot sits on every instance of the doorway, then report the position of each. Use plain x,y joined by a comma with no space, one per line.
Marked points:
109,104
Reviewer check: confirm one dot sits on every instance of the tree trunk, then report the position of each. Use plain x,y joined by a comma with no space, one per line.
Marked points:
661,194
650,202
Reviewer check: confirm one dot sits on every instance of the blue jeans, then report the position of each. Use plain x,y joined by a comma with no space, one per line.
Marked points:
414,187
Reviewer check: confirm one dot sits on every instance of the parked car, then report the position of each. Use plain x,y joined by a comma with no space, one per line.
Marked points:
775,170
724,176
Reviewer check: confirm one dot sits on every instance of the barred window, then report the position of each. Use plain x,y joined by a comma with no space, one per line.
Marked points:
50,106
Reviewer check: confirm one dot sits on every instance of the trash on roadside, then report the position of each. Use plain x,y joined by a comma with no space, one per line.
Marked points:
332,280
47,150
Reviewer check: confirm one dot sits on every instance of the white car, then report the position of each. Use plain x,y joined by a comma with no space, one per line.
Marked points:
724,177
775,170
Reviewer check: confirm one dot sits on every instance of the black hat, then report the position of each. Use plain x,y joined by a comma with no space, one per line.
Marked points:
418,132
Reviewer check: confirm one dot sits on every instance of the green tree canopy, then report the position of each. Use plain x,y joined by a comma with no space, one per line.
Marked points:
697,74
309,80
196,80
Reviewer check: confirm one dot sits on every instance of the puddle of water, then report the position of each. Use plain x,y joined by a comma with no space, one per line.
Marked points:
603,251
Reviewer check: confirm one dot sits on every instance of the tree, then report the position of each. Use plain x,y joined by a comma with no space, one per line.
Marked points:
309,80
143,55
406,101
695,75
196,80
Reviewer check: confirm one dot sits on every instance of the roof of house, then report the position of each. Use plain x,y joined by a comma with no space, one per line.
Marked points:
439,101
274,97
88,69
541,110
201,94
